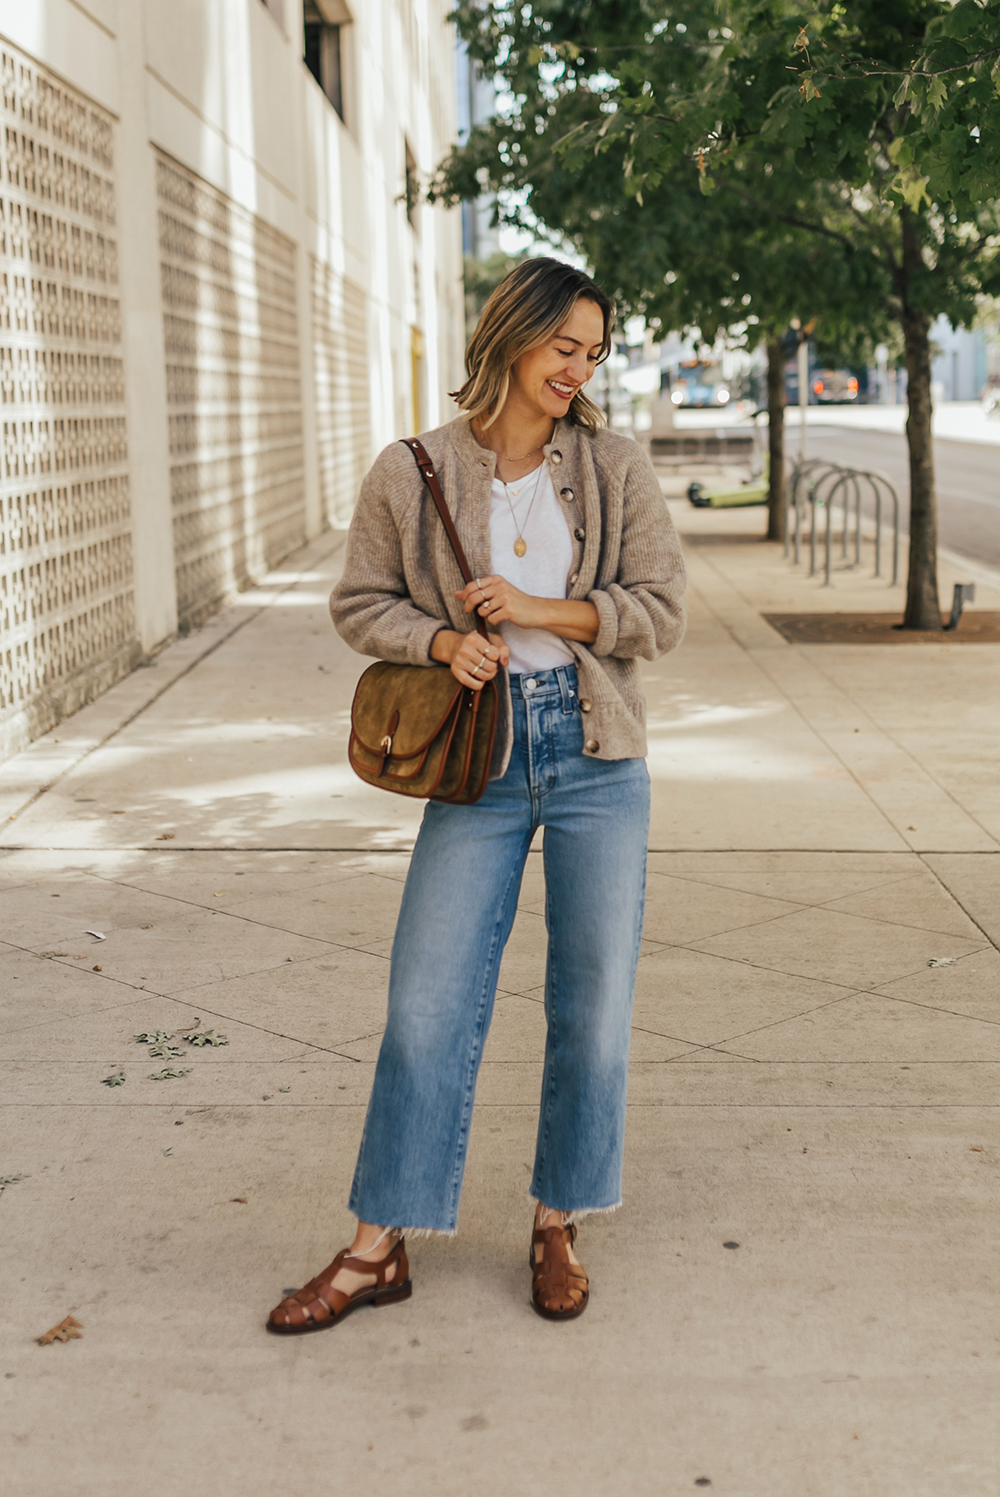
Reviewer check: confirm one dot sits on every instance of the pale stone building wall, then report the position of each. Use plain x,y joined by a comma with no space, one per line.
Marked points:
216,304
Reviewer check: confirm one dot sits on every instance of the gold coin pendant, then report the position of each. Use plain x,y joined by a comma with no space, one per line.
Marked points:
520,547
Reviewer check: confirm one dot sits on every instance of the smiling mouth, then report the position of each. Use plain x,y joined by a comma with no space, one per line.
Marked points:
565,392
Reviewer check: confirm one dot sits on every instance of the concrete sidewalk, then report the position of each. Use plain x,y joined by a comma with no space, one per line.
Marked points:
799,1298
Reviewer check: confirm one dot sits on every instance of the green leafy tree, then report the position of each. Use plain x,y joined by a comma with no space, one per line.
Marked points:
868,126
482,276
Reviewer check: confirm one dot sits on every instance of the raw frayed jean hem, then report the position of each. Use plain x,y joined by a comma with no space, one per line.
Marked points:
577,1215
413,1233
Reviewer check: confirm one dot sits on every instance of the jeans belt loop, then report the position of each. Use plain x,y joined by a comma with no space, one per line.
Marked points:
565,690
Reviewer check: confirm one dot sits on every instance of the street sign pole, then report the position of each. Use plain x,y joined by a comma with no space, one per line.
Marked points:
803,395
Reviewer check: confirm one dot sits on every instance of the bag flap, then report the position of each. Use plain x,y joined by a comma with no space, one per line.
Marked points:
423,697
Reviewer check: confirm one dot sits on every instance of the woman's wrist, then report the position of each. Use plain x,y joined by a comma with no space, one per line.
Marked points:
570,618
444,644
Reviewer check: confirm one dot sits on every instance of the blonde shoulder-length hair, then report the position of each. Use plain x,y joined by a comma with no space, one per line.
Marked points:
523,312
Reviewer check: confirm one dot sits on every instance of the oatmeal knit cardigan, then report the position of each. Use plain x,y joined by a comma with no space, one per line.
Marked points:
400,574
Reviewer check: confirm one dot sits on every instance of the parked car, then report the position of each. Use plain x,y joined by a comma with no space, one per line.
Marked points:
834,386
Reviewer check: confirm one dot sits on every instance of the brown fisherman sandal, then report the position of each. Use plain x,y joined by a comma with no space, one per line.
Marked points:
560,1288
318,1305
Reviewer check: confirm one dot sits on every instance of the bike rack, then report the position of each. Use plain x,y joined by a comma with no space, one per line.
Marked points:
799,474
818,474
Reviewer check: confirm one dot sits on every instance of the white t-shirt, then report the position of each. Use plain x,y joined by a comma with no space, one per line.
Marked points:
541,571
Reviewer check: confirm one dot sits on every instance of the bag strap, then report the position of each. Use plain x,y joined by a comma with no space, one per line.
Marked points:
430,478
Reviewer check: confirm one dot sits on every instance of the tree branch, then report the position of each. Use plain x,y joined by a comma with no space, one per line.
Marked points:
787,218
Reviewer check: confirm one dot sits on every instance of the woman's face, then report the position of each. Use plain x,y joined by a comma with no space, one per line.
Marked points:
546,378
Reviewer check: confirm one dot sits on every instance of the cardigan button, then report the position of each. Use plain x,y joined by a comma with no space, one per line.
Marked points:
566,495
586,706
574,577
591,745
580,533
555,458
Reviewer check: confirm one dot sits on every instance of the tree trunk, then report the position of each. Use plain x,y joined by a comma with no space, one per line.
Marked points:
777,514
923,610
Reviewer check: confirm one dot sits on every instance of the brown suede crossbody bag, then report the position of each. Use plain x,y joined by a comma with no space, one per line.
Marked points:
414,729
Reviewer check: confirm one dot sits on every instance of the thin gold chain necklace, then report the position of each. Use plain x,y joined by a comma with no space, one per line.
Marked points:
521,545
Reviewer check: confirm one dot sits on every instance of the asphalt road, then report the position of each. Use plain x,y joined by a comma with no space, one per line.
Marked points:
968,482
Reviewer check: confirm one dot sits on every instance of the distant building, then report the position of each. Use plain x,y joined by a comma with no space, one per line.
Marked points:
219,297
476,105
959,368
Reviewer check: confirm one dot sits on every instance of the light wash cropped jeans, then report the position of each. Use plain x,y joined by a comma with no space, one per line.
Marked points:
457,911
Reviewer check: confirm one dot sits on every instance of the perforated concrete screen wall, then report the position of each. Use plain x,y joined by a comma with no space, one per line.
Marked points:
67,615
233,391
340,357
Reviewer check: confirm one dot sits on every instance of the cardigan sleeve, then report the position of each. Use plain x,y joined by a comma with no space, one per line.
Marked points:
371,606
641,613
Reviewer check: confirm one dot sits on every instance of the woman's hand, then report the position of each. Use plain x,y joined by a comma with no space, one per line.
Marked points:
473,658
498,601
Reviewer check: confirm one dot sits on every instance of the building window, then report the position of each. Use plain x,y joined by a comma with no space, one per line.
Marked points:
324,46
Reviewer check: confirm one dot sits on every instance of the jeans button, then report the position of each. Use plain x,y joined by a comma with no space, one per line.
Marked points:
530,684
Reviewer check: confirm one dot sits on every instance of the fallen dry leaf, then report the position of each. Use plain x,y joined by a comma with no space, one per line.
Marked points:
97,967
166,836
206,1037
238,1201
145,927
117,1078
169,1073
67,1330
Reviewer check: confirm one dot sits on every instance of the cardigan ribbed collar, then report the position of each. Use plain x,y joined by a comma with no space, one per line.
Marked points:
563,447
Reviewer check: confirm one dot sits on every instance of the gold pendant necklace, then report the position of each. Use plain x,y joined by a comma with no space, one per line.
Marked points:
521,545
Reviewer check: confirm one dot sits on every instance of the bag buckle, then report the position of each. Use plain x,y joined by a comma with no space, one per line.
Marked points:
385,744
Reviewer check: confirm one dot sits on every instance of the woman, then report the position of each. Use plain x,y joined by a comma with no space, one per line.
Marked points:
581,575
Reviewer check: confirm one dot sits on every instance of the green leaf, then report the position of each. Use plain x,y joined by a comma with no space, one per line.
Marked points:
117,1078
937,94
899,97
912,187
706,184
